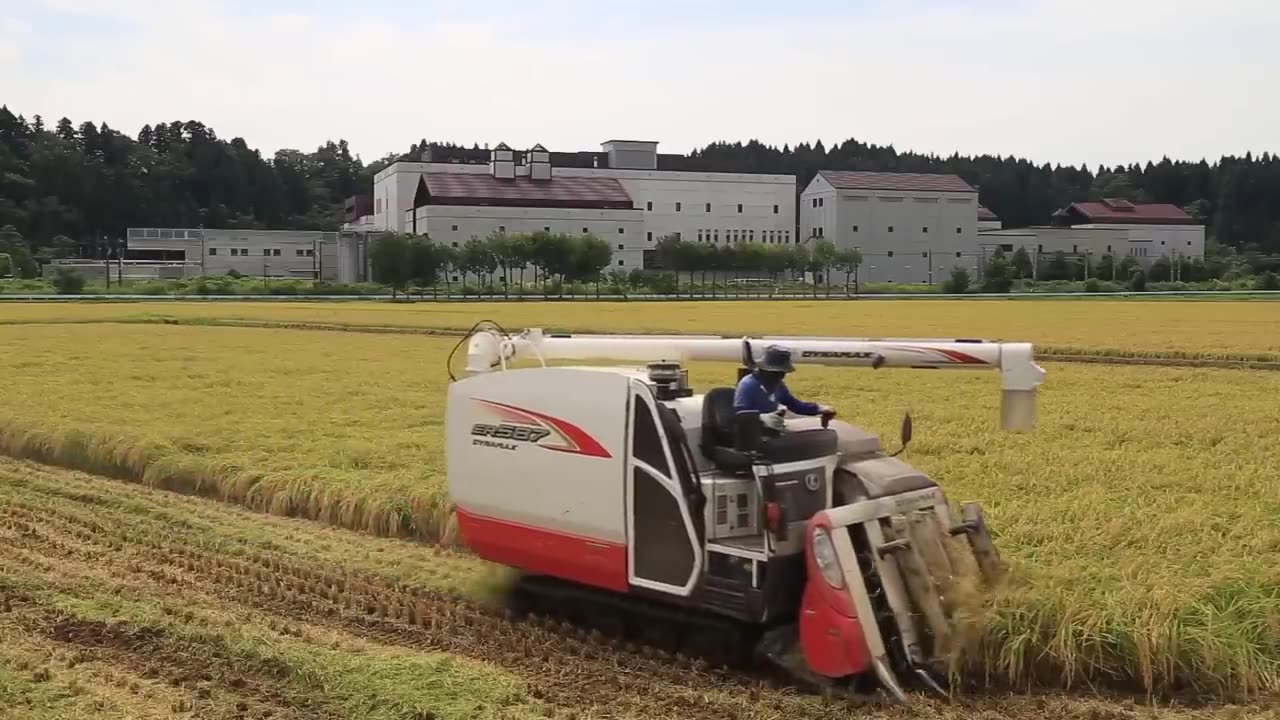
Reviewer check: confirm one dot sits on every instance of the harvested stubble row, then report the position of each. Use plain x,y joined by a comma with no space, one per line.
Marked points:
1140,522
124,602
1217,330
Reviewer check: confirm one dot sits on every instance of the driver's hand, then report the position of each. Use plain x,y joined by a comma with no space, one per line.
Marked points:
826,410
773,421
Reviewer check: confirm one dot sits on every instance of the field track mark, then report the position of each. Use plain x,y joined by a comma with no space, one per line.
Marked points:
1045,353
300,597
567,670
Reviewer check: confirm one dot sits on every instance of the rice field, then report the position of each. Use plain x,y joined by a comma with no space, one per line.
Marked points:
1140,517
1245,330
122,602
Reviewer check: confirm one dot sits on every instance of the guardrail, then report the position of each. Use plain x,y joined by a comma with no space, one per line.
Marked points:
46,297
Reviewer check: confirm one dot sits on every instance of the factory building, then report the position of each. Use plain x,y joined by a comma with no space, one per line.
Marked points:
1116,227
175,253
910,228
628,194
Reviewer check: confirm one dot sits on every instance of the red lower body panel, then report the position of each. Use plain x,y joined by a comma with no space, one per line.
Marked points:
538,550
832,642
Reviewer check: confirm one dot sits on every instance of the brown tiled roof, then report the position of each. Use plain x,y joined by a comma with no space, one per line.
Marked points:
560,192
1123,211
985,214
857,180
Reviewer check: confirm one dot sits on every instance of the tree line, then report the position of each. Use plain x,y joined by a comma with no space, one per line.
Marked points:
65,187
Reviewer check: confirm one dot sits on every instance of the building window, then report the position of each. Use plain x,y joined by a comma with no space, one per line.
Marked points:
275,252
235,252
299,252
1042,248
775,209
244,252
584,231
739,207
855,228
699,236
648,205
649,236
1009,248
213,251
890,253
455,228
708,207
815,202
1074,248
959,231
821,202
677,207
455,244
957,253
378,207
266,252
619,246
925,229
717,236
751,235
621,262
890,228
1188,243
311,253
621,230
502,228
820,232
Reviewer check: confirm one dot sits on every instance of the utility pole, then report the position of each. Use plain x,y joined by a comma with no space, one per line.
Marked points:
106,259
121,245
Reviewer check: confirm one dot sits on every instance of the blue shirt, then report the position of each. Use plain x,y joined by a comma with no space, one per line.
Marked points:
751,395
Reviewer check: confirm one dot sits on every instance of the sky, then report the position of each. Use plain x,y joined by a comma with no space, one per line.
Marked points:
1059,81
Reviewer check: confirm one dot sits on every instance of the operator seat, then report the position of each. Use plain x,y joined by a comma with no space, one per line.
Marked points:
724,432
718,437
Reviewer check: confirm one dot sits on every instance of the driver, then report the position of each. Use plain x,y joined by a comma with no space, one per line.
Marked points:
763,390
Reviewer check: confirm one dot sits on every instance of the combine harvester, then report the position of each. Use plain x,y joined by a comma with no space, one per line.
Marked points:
630,503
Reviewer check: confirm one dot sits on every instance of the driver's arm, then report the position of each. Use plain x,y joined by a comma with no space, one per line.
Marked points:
789,401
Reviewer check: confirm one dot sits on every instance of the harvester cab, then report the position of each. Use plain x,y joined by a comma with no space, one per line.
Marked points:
623,495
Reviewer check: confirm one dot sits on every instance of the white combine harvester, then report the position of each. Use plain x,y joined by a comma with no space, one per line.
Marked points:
630,501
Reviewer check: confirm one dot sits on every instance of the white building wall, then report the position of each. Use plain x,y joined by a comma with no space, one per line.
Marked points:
1144,243
1158,240
742,205
454,225
275,253
904,236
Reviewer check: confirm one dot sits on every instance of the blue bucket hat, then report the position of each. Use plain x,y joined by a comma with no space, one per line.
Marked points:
776,359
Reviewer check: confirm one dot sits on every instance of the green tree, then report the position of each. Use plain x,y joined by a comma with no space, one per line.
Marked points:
13,245
67,281
478,259
849,260
1161,270
1138,280
1106,268
824,257
1021,264
1058,268
519,251
591,256
958,282
998,276
389,261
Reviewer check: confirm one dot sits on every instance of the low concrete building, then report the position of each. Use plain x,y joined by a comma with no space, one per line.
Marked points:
1155,229
171,253
1109,227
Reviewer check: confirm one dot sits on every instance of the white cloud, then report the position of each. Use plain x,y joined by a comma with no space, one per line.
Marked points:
1056,80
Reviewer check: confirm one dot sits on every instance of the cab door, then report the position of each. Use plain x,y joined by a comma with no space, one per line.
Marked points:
662,547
